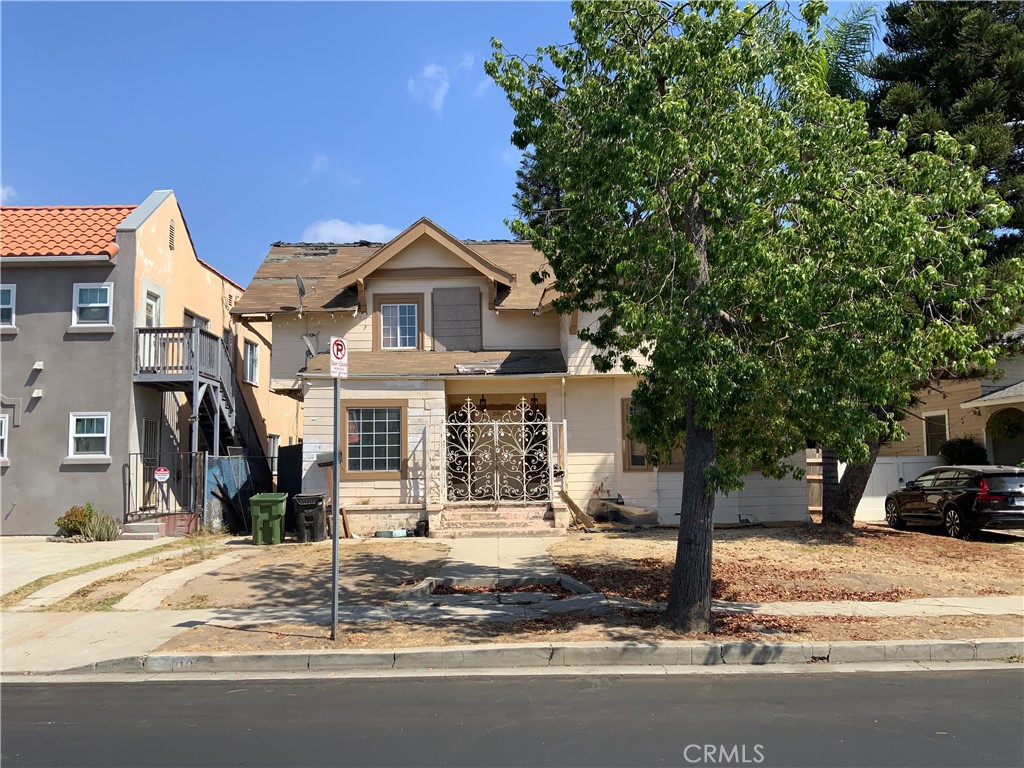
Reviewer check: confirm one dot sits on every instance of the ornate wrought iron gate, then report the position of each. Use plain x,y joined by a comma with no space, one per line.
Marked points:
503,458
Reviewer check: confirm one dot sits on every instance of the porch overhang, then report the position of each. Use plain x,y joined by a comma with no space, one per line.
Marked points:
1008,396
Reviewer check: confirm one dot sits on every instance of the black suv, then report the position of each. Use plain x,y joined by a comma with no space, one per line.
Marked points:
961,499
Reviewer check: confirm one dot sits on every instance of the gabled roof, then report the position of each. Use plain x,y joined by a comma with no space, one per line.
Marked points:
426,228
332,271
81,230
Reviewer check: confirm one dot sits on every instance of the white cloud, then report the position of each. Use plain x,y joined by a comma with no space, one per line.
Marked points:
338,231
8,194
320,163
432,84
483,87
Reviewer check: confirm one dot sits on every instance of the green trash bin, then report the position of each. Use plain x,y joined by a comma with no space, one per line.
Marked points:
267,510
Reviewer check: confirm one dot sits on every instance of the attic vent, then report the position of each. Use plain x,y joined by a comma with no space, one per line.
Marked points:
229,300
170,235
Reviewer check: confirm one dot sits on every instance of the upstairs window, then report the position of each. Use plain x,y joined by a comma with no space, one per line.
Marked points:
8,294
93,304
152,310
400,324
251,363
398,321
192,320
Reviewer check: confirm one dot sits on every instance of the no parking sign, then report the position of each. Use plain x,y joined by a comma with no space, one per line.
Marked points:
339,358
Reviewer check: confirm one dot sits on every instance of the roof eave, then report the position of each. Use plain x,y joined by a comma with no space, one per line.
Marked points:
77,259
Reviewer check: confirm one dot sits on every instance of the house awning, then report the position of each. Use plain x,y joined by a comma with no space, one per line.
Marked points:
1011,395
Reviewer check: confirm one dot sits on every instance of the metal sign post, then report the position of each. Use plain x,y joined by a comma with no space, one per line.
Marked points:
339,370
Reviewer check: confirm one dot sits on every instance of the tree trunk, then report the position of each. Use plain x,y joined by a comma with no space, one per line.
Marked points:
689,597
843,506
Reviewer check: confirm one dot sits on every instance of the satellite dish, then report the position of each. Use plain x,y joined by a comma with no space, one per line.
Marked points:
310,344
302,292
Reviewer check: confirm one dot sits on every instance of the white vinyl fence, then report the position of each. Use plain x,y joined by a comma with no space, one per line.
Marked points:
886,478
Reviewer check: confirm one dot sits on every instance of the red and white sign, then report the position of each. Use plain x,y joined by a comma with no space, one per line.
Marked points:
339,358
161,474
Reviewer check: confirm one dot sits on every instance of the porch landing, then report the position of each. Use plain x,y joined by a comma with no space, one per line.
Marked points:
497,521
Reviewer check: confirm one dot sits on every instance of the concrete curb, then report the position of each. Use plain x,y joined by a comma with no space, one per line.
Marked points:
526,656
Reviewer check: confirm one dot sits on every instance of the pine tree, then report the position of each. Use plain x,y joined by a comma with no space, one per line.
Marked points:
959,67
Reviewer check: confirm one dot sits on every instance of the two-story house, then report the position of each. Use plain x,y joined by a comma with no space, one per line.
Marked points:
119,357
465,390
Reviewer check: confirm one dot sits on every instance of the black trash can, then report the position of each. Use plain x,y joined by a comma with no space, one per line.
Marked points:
310,516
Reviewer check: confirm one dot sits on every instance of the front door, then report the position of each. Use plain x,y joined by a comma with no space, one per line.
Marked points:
497,457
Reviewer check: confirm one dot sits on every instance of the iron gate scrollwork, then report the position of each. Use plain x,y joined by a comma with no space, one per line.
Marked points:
507,458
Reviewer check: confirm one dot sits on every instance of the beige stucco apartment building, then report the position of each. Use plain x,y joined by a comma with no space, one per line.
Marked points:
466,392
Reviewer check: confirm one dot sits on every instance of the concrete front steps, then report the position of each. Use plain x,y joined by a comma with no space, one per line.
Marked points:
142,531
490,521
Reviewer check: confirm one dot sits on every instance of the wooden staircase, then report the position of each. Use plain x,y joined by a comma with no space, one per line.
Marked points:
491,520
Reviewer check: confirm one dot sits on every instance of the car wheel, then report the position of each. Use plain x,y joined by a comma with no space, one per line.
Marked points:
954,524
893,516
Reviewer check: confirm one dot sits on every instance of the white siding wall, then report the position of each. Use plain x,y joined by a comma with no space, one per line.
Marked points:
288,355
885,478
595,464
425,401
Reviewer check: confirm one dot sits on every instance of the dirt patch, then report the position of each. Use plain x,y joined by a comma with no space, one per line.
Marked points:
801,563
621,626
371,571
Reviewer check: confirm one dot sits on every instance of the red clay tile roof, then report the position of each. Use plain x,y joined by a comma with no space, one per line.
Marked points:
81,230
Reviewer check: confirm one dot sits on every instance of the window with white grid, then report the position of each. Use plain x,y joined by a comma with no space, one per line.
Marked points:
399,326
374,439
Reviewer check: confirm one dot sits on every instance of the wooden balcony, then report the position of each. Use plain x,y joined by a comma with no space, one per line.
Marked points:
171,358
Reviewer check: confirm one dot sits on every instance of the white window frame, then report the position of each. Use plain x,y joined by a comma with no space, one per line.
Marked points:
75,307
5,433
88,458
251,373
924,427
152,300
398,317
13,325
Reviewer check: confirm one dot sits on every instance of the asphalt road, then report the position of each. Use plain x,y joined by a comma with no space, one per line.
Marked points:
866,719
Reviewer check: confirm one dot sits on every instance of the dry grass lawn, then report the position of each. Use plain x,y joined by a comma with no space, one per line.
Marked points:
758,564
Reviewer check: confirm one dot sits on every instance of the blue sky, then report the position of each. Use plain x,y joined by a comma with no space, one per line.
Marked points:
270,121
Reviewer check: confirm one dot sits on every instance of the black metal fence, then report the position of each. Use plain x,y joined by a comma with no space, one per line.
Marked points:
164,483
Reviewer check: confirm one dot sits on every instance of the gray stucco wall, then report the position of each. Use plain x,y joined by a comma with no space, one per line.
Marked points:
82,372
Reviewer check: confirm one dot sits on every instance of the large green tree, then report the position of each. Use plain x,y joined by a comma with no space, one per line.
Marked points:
958,67
766,267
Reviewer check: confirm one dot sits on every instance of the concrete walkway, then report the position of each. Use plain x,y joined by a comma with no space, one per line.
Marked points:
23,559
496,558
